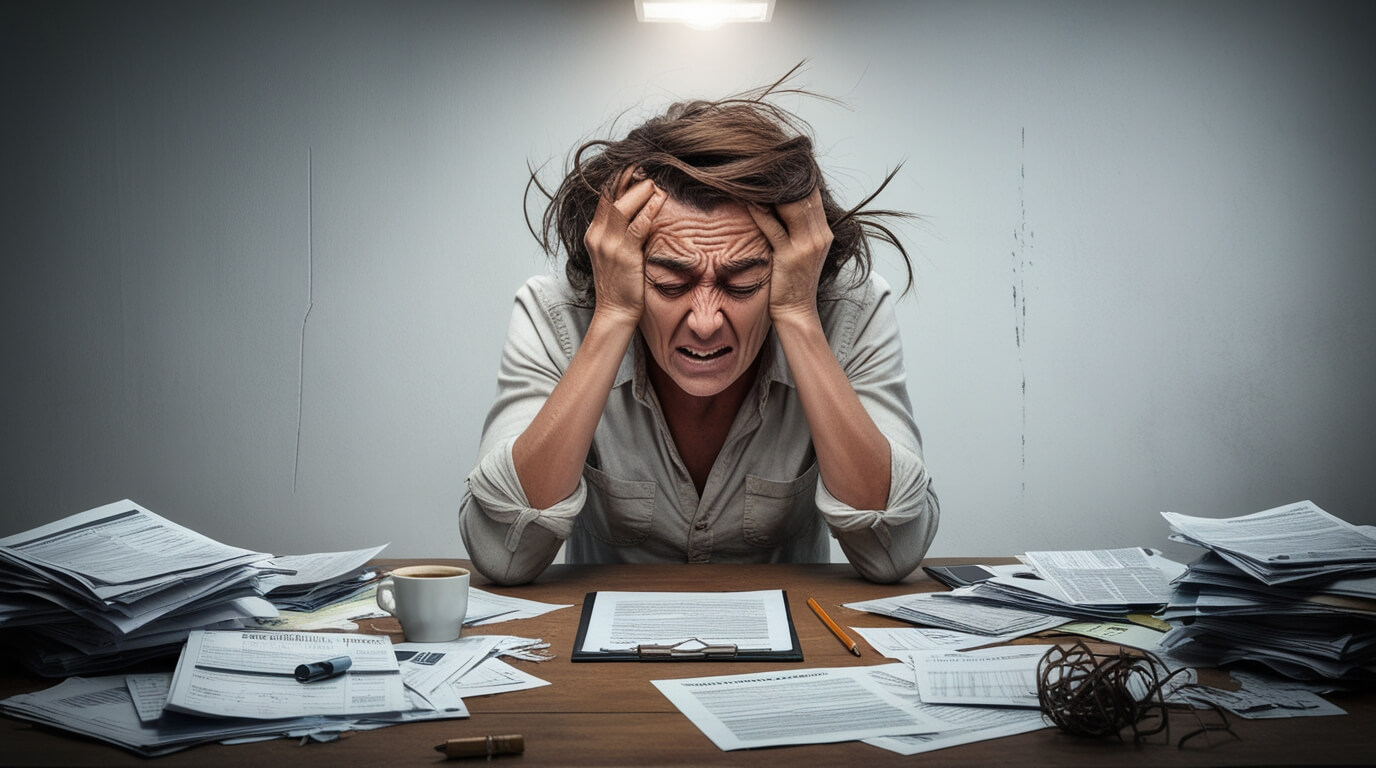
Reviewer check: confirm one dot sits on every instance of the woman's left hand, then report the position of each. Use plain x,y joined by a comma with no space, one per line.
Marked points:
801,239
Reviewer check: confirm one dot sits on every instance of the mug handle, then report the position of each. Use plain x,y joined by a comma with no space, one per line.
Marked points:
386,596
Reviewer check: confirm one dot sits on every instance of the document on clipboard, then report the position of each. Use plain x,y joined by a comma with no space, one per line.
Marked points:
680,626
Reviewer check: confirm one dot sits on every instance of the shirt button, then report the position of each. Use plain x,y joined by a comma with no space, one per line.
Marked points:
701,525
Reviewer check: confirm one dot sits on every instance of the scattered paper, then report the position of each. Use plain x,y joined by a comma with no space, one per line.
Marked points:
250,674
962,725
1000,677
1131,635
806,706
898,642
149,693
951,610
489,608
495,676
1116,577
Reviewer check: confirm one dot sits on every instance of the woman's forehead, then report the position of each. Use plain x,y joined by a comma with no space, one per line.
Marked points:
684,238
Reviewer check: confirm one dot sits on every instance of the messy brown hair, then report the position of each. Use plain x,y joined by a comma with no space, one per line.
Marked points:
704,153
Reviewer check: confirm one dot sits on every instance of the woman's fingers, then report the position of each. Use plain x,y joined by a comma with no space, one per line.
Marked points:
615,241
806,221
801,239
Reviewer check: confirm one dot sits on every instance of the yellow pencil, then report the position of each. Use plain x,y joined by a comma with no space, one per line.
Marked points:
831,625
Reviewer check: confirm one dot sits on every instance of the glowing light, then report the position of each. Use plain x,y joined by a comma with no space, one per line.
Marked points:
704,14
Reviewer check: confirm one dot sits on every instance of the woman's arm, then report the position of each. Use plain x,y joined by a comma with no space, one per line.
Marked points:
852,454
875,494
550,453
534,476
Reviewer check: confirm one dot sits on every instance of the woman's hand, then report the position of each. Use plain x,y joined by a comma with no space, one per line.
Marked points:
801,239
615,241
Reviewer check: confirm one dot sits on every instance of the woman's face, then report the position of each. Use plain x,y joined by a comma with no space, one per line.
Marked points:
706,294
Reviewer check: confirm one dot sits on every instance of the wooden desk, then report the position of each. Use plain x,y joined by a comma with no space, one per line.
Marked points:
610,714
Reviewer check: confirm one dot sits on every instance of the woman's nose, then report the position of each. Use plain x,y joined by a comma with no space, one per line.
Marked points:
705,315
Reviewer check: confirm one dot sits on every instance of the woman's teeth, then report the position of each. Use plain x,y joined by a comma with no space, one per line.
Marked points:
704,355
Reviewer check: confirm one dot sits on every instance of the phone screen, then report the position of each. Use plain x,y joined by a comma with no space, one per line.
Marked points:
959,575
970,573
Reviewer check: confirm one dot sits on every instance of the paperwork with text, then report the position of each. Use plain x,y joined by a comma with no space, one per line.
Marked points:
249,674
805,706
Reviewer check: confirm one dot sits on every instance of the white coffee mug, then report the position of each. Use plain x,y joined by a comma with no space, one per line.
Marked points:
429,600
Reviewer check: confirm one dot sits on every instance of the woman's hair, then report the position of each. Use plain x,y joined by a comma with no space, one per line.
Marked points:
705,153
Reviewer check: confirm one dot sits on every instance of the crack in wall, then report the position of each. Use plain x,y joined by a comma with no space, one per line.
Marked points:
310,305
1021,258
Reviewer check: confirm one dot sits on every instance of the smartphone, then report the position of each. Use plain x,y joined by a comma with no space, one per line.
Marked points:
959,575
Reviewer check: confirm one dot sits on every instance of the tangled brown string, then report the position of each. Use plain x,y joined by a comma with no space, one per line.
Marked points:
1089,694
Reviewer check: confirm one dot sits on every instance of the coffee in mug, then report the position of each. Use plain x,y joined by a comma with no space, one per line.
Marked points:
430,601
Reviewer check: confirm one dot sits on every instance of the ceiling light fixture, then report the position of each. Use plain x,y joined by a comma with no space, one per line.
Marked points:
704,14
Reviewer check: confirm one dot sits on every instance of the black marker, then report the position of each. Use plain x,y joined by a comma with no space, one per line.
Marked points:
309,673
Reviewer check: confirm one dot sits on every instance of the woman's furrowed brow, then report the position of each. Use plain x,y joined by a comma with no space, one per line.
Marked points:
745,264
732,267
670,263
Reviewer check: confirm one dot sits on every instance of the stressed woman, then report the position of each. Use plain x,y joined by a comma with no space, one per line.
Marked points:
718,377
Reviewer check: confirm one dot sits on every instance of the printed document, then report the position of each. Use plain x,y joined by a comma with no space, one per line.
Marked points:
1001,677
1117,577
102,708
245,673
954,611
1281,544
964,725
899,642
315,569
804,706
489,608
120,552
748,620
427,666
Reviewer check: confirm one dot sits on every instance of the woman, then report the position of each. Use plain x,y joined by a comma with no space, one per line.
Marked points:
719,376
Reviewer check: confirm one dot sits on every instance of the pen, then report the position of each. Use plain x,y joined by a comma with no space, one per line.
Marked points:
831,625
483,746
309,673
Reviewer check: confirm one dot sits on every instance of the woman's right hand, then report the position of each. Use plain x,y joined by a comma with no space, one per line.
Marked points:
615,241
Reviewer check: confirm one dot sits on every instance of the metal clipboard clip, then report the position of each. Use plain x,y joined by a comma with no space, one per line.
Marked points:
692,648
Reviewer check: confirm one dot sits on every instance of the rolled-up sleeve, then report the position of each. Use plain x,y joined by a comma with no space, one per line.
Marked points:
509,541
884,545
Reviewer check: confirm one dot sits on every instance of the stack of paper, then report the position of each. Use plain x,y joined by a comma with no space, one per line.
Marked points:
1293,588
240,685
309,582
952,612
1050,589
1091,585
110,586
106,588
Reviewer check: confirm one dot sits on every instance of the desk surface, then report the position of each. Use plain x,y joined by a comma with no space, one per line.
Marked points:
610,714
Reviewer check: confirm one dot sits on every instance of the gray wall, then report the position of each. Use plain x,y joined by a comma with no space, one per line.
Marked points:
259,257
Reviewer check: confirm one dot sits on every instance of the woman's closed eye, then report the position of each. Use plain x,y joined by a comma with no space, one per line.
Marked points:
743,290
673,290
670,289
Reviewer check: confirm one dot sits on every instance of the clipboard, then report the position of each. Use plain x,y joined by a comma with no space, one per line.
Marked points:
689,649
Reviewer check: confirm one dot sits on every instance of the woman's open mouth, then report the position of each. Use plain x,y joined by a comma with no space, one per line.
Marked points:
703,354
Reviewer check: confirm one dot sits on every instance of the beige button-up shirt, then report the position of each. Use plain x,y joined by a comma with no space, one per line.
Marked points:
636,503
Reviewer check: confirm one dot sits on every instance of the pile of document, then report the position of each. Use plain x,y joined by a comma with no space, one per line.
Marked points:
1095,592
1293,588
232,685
1087,585
109,587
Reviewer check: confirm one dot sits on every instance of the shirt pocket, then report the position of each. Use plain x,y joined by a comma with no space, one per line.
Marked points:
778,511
618,512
